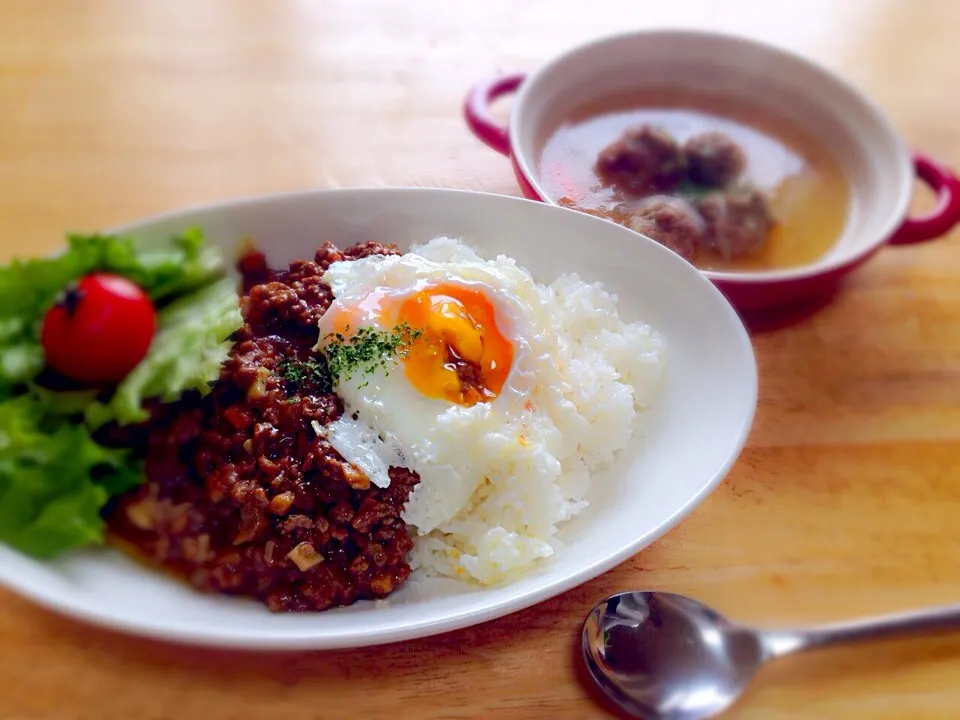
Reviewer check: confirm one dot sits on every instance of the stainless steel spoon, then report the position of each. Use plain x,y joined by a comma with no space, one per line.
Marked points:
662,656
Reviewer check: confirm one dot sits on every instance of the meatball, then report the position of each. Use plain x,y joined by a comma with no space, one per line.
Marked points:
737,223
673,223
713,159
644,158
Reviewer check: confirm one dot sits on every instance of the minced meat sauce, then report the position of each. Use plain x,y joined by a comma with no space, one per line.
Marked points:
243,494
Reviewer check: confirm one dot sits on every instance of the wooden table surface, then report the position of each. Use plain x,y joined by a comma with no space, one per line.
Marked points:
846,500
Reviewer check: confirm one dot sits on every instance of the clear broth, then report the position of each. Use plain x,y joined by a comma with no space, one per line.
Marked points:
809,192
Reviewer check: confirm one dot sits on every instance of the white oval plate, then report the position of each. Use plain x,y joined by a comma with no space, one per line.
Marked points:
697,431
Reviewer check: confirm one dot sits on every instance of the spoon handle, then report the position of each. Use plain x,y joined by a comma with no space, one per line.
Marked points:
782,642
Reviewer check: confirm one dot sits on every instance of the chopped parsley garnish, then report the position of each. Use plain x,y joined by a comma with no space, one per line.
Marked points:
367,350
364,352
310,376
690,190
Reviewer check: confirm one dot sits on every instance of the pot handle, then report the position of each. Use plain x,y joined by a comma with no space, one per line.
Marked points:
476,109
941,219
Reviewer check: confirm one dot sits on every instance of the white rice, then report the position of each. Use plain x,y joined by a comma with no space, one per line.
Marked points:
511,476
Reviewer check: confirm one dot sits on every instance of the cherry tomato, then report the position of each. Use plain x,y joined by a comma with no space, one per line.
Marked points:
99,329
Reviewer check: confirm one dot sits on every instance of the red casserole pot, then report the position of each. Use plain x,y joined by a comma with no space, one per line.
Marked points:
879,167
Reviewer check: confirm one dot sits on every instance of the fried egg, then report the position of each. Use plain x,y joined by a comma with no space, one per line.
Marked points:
480,399
472,347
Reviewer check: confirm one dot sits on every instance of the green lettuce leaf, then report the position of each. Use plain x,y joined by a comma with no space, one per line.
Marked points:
54,479
29,287
193,340
187,264
20,360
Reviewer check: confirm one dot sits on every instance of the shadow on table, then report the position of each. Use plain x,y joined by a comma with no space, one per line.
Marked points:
779,318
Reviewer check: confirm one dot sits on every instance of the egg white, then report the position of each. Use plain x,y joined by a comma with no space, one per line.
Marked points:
387,421
499,477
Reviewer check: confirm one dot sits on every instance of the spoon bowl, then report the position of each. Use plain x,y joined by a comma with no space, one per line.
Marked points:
668,656
663,656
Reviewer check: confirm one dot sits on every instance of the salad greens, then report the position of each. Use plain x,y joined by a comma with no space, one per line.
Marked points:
29,287
192,342
55,478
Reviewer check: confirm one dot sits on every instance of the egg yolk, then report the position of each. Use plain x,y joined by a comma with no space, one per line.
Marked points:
460,355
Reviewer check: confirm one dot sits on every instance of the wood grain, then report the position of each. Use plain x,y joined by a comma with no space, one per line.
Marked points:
845,501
